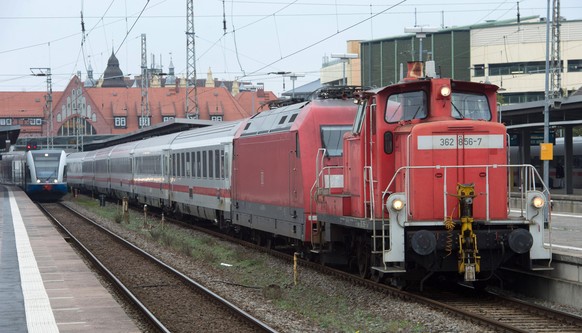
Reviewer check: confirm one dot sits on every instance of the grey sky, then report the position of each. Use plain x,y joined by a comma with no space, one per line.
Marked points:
269,35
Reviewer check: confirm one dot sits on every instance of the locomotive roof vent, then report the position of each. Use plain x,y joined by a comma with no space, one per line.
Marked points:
336,92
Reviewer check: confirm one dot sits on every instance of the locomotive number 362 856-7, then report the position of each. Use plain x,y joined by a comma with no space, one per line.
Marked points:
466,141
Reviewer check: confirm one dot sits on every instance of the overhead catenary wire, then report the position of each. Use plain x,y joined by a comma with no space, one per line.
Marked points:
328,37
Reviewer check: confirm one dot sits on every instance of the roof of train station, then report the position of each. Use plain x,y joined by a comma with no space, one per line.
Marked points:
566,111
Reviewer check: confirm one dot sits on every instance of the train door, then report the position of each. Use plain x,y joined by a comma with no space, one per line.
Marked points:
166,182
132,171
292,157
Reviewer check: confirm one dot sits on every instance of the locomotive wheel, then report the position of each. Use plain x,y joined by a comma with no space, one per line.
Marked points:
363,257
376,276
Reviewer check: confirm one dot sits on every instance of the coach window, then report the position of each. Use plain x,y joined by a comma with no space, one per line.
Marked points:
183,165
217,172
210,164
204,165
174,165
194,175
188,169
332,139
470,106
406,106
225,165
198,164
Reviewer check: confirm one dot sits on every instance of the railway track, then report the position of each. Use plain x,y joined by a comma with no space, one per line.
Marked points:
168,299
507,314
494,312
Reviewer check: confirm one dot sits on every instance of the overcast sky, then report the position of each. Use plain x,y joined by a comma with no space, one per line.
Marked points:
261,36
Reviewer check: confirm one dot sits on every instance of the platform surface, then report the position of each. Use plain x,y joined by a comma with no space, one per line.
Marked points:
44,284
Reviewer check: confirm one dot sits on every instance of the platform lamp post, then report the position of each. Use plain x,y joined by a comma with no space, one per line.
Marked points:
345,57
421,33
45,71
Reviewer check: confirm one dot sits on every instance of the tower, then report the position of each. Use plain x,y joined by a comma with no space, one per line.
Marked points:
113,76
192,110
555,58
145,112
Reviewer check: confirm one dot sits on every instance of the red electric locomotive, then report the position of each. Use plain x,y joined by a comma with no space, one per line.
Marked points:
274,164
424,187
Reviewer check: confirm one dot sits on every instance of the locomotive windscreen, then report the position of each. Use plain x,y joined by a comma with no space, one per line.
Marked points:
470,106
406,106
47,165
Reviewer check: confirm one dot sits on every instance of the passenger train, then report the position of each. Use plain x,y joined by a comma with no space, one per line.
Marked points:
398,183
40,173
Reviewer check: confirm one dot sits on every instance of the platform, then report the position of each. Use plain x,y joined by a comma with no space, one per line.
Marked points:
44,284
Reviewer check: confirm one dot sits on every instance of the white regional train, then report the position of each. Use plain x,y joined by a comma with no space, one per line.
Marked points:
198,183
42,174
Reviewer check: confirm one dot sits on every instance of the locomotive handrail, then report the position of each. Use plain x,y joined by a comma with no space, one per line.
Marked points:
319,158
528,174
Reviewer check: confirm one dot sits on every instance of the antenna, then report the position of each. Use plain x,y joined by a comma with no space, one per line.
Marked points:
421,33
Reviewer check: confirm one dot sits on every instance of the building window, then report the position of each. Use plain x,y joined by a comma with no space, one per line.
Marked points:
35,121
120,122
575,65
167,118
5,121
479,70
144,121
216,118
533,67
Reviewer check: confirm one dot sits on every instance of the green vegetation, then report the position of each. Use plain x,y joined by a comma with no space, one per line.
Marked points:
337,314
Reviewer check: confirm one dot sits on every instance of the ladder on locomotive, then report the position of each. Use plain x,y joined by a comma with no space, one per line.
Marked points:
369,187
316,194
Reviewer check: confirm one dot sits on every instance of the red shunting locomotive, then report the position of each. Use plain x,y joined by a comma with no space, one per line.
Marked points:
424,187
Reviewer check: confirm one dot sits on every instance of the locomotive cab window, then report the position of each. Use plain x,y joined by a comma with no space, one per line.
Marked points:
332,139
359,121
406,106
470,106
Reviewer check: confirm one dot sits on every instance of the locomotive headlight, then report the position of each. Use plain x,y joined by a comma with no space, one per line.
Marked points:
397,204
538,202
445,91
56,181
38,181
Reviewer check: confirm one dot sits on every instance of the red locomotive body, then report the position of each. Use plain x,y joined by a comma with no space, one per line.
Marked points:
273,165
426,187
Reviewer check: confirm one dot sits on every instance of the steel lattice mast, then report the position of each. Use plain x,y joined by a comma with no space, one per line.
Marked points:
145,112
555,60
191,91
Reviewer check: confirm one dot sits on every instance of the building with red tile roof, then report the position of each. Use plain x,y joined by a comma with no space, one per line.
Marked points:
110,111
255,100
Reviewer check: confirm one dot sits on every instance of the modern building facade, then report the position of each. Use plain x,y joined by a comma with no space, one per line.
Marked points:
336,71
508,53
